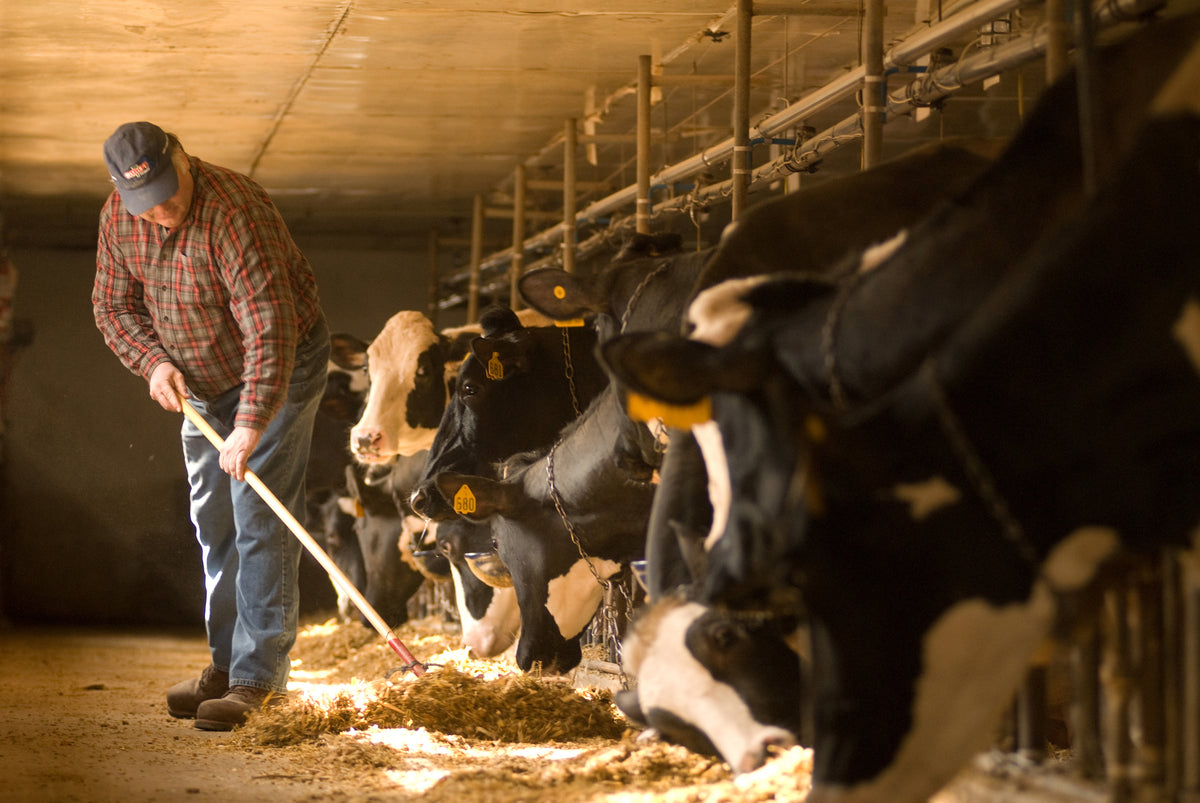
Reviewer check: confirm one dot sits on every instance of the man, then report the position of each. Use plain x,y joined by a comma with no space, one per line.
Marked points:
200,290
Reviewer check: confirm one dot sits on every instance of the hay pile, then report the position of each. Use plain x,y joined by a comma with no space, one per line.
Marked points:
512,708
480,730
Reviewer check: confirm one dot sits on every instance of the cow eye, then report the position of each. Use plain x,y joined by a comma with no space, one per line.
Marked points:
724,635
469,388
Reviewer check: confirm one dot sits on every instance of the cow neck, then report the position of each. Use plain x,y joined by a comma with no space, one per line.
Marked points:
837,391
637,291
608,613
977,472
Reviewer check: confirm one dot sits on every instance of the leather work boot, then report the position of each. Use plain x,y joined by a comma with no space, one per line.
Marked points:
184,698
234,707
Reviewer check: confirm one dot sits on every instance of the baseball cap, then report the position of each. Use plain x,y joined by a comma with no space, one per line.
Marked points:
138,156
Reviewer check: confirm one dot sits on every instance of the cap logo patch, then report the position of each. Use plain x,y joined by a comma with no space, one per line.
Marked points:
139,170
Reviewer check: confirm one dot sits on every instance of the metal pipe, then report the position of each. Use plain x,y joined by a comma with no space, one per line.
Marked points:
742,156
1190,747
476,259
1086,93
431,305
570,145
922,91
1057,39
518,238
873,91
643,145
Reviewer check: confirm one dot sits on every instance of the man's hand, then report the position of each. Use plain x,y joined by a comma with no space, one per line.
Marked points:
237,450
166,384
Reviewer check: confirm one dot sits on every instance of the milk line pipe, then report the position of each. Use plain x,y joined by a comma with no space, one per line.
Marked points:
337,575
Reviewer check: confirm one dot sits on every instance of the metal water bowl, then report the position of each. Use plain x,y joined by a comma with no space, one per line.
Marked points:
488,567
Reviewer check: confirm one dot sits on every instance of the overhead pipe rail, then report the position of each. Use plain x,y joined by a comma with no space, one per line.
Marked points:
925,90
904,53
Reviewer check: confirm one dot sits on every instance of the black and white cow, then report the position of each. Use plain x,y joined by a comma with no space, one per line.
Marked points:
385,535
514,393
410,365
811,230
330,524
563,521
936,527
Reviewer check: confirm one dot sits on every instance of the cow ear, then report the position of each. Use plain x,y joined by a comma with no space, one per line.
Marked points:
472,497
659,365
557,294
497,321
347,351
501,358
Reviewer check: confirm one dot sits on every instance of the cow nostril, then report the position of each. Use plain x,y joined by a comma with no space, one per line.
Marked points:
366,441
769,744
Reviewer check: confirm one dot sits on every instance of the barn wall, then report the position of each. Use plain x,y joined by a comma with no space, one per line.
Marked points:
94,525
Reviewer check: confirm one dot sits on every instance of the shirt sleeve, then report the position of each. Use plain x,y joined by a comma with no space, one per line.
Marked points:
256,264
119,308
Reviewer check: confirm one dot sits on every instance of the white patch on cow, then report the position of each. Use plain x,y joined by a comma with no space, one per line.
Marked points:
669,677
496,631
1073,563
1181,92
359,381
974,658
876,255
718,313
1187,331
728,231
720,494
575,596
925,498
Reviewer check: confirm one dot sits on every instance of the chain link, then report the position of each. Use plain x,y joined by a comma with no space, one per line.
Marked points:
607,614
569,370
981,478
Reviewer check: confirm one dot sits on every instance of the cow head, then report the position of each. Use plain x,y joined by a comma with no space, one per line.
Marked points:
644,288
518,388
384,537
406,362
714,681
490,616
330,520
563,523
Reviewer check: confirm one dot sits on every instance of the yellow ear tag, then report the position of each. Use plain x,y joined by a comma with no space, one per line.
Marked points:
495,368
464,501
359,511
560,292
680,416
569,322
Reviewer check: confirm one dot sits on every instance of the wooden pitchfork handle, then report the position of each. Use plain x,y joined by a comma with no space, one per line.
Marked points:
337,575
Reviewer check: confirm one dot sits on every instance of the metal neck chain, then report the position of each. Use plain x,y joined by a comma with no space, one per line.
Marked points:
569,370
837,391
607,613
972,463
637,292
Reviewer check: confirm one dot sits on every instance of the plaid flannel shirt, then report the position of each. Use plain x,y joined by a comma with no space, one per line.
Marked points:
225,297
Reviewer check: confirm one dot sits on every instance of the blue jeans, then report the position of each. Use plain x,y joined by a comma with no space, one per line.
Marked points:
251,559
